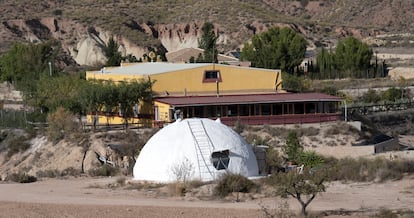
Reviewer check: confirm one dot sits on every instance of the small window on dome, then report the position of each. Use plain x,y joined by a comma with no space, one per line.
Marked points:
220,159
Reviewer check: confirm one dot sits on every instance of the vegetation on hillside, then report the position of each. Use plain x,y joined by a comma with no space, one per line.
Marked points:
276,49
207,42
351,59
241,19
28,67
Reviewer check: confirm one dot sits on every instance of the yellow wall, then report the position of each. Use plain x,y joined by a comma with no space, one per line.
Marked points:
163,111
104,120
108,76
235,80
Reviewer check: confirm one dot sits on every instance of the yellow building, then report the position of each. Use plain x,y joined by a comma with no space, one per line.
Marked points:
195,79
211,90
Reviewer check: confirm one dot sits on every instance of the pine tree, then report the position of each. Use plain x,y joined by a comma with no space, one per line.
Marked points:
208,43
112,54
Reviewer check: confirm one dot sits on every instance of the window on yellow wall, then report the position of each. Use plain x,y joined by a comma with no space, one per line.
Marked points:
211,76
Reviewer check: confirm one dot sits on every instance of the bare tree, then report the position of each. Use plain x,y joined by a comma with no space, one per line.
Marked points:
183,170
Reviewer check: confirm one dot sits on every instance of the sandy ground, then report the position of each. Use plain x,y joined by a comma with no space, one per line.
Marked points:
82,197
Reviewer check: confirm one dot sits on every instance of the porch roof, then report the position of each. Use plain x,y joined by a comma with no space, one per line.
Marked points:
181,101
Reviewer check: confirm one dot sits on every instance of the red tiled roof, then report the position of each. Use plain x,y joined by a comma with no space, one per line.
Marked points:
247,99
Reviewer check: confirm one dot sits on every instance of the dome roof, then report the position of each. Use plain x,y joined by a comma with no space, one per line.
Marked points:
196,148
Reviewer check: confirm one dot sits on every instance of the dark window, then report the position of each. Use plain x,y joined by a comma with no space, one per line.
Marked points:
299,108
288,109
198,111
310,108
266,109
211,111
212,76
220,159
232,110
244,110
256,109
277,109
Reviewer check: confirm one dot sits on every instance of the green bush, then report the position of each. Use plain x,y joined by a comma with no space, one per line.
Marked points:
310,159
230,183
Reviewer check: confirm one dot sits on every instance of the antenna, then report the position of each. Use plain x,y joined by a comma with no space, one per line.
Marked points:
217,84
214,61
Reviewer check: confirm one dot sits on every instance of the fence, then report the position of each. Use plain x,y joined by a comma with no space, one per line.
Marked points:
12,119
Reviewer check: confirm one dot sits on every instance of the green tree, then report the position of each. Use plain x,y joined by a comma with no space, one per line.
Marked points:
110,94
276,49
303,187
24,64
295,83
353,57
131,93
58,91
208,43
326,64
292,148
91,98
112,54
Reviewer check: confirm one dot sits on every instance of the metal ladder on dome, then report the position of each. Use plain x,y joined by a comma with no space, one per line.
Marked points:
203,146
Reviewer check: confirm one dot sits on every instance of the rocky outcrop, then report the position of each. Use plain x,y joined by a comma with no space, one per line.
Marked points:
85,43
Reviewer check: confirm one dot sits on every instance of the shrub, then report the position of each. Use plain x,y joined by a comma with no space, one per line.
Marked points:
47,173
70,171
385,213
177,189
21,178
310,159
311,131
363,170
239,127
273,159
121,181
16,145
230,183
104,170
61,124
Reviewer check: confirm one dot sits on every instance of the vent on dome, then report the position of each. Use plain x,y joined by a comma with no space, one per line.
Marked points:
220,159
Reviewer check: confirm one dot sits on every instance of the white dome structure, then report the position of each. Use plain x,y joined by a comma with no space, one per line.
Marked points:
196,148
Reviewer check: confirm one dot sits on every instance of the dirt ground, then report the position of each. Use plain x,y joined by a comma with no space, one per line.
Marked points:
91,197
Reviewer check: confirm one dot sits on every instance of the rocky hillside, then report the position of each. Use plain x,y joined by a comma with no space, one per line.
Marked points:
84,26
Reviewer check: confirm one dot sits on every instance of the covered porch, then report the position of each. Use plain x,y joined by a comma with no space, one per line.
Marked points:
275,108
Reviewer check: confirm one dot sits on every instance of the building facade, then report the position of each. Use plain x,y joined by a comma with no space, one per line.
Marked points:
233,93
